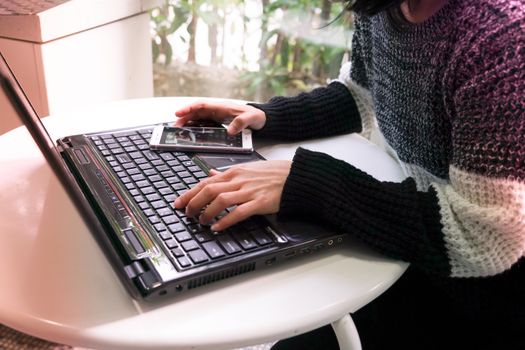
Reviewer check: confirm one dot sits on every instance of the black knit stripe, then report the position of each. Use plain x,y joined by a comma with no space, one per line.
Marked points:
325,111
393,218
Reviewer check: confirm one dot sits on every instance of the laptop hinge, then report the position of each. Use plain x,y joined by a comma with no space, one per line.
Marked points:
134,269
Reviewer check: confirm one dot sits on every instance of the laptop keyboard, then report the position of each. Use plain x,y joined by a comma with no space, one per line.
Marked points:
154,180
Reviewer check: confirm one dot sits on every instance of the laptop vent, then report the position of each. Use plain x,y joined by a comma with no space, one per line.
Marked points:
198,282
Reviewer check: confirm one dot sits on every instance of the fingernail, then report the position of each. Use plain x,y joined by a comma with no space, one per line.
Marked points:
178,203
215,227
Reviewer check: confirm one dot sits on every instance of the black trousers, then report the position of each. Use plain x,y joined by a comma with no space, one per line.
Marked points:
413,314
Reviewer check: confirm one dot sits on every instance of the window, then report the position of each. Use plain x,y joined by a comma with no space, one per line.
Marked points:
249,50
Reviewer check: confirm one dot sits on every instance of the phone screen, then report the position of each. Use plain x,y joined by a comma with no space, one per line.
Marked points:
200,136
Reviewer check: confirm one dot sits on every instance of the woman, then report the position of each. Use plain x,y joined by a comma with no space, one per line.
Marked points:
444,80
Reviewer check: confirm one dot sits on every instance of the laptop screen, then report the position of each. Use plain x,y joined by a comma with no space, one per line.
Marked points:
12,95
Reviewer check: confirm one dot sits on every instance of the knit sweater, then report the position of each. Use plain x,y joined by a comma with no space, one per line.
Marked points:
448,95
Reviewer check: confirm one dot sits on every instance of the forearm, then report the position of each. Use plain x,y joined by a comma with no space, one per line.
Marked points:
322,112
393,218
403,223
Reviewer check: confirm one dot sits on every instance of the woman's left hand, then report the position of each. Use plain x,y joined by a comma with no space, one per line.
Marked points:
255,188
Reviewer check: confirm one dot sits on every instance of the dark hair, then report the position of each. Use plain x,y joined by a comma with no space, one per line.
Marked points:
372,7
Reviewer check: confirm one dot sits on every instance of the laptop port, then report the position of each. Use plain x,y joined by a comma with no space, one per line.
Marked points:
289,254
270,261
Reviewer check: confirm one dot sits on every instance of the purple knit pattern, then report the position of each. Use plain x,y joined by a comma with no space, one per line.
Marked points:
460,90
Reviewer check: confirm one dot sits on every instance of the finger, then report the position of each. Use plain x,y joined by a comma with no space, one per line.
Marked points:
183,199
180,122
208,194
221,202
205,109
240,213
242,121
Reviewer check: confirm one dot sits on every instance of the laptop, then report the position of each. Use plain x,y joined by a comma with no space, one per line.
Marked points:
125,192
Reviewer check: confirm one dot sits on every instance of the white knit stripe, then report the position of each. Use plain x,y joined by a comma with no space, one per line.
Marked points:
362,98
422,176
483,222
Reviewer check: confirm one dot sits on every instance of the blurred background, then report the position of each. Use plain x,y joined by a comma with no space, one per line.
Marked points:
247,49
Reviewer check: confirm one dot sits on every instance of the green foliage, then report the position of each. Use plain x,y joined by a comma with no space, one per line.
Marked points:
287,62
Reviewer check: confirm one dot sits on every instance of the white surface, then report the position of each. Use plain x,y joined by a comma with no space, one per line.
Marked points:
56,284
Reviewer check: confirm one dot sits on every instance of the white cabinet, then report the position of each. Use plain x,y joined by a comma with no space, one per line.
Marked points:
67,54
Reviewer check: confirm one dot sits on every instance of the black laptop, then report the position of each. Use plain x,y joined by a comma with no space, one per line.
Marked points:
125,192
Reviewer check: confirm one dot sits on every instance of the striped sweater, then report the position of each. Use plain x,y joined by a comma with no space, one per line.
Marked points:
448,95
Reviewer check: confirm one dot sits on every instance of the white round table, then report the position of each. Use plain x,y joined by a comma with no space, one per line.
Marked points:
55,282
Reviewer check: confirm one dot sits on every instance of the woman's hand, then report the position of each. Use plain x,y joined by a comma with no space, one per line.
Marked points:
255,188
244,116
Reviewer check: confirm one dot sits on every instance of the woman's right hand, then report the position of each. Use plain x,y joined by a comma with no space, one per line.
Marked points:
241,116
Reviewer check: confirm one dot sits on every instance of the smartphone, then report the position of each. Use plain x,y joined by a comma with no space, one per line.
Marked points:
222,162
200,139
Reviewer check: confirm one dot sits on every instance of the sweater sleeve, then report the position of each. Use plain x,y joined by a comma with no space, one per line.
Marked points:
471,226
325,111
393,218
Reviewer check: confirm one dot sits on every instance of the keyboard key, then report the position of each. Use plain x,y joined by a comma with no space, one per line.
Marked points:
229,244
200,175
160,184
198,256
165,235
146,166
171,243
149,212
178,227
183,174
190,245
183,261
139,199
160,227
154,219
151,155
190,180
139,177
245,241
167,192
213,250
196,228
167,173
155,178
203,237
147,190
143,183
150,172
182,236
158,204
177,252
153,197
166,156
261,237
165,212
170,219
